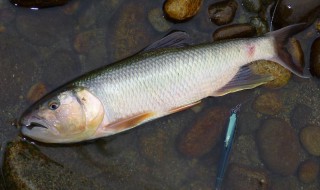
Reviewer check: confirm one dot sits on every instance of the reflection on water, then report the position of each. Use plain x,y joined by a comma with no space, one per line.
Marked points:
52,46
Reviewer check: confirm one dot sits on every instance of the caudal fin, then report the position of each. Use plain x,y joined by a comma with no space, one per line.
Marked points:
283,57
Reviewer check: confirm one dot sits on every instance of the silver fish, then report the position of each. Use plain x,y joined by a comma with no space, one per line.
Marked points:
153,84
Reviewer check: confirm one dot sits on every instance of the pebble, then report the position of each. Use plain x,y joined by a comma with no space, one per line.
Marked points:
315,58
158,21
300,116
280,74
310,139
38,4
234,31
181,9
291,12
260,25
205,133
252,5
25,167
268,103
278,146
36,91
240,177
222,12
308,171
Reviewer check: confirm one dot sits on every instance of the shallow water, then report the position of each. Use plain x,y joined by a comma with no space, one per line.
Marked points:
41,46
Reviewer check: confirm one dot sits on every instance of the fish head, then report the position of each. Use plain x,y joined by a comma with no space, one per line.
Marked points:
65,117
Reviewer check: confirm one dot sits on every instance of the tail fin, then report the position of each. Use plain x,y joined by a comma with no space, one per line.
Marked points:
283,56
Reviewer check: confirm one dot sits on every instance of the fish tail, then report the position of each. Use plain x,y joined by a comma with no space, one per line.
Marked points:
283,56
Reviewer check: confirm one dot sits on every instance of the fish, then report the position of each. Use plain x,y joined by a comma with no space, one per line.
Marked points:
227,146
167,77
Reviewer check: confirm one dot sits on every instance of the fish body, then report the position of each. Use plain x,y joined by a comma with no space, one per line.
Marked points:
150,85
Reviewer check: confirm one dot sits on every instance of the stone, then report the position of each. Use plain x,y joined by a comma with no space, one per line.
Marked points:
268,103
240,177
260,25
280,74
310,139
308,171
300,116
315,58
252,5
181,9
85,41
234,31
38,4
157,20
222,12
278,146
36,91
290,12
205,133
25,167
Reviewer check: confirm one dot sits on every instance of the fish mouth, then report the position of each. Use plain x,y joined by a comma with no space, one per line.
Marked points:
34,124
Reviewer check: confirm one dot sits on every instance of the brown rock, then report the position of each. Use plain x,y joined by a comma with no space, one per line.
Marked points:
315,58
296,11
310,139
308,171
181,9
280,74
36,91
205,133
234,31
244,178
268,103
222,12
300,116
278,146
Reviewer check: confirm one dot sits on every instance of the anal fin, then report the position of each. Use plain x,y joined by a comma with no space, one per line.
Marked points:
244,79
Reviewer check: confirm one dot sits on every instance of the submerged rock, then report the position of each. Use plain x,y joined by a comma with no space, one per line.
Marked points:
278,146
234,31
300,116
36,91
308,171
38,4
268,103
310,139
25,167
205,133
158,21
222,12
296,11
252,5
243,178
181,9
315,58
280,74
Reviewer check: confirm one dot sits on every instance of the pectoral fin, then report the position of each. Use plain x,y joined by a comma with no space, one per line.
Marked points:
128,123
244,79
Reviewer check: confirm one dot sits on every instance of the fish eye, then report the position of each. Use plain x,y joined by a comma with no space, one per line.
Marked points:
53,105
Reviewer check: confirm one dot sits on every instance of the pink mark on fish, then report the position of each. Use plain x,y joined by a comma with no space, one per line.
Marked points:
250,50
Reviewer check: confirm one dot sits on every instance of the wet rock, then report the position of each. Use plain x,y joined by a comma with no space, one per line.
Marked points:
260,25
181,9
196,185
38,4
268,103
36,91
315,58
127,37
71,8
234,31
16,68
158,21
86,41
278,146
310,139
290,12
222,12
300,116
205,133
252,5
45,28
25,167
308,171
89,16
6,15
280,74
59,68
241,177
